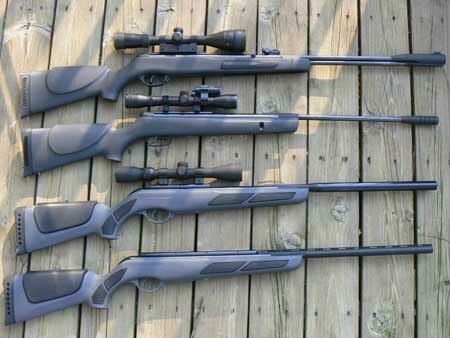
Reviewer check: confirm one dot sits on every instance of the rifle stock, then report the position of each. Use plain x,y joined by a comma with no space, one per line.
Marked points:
40,292
42,91
45,225
48,148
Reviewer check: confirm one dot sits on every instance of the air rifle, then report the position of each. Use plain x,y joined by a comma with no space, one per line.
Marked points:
36,293
44,225
48,148
178,57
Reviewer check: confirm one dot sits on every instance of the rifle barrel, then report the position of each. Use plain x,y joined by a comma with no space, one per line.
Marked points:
368,251
372,186
425,120
429,60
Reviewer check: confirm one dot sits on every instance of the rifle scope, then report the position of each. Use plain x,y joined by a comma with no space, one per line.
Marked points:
182,172
178,43
203,96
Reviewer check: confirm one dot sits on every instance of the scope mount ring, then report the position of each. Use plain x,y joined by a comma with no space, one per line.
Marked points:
152,216
149,80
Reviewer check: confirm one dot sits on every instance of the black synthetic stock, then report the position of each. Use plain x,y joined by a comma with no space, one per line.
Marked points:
59,86
48,148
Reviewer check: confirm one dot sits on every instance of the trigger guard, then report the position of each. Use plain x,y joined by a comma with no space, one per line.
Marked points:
153,219
138,285
149,80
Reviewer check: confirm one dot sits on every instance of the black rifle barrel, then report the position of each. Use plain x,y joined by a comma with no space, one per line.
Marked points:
368,251
433,60
424,120
372,186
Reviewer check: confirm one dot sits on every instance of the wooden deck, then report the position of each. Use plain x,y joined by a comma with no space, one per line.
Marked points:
371,297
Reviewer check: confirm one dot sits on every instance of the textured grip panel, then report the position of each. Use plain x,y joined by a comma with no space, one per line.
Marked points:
41,286
114,278
274,196
109,226
99,295
53,217
225,199
222,267
265,265
123,209
8,290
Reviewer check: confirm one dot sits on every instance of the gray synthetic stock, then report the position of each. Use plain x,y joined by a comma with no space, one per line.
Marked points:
177,201
169,269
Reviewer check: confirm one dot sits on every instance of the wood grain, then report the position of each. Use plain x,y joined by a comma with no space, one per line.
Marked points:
276,300
221,305
388,217
333,218
429,27
25,47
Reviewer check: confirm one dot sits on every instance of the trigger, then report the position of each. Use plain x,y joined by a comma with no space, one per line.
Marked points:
149,81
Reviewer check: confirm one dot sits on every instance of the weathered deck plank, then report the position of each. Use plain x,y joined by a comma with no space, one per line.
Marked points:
220,308
276,300
388,286
333,218
25,47
167,312
429,28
